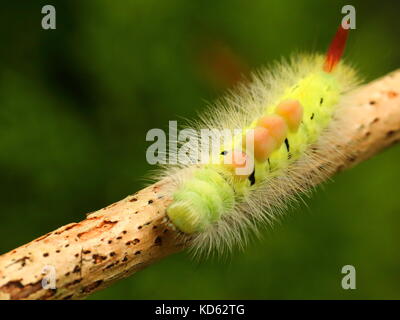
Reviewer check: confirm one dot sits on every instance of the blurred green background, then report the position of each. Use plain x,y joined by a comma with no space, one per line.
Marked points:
76,103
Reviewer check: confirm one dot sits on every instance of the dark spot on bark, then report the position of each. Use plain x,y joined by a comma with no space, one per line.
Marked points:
150,201
140,227
137,252
119,238
98,258
372,102
124,232
92,218
21,260
158,241
133,200
17,290
67,274
68,228
390,133
58,250
73,282
136,241
45,254
9,286
67,245
125,259
86,251
43,237
112,254
76,269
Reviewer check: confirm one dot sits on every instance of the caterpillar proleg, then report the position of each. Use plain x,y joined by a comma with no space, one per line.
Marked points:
288,116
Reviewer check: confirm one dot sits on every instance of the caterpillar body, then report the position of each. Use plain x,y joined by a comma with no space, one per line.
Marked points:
289,118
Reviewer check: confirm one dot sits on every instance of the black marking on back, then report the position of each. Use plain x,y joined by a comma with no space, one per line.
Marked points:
312,116
252,177
321,101
288,148
287,144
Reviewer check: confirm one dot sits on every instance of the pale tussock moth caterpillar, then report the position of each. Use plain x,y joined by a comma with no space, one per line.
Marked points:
289,113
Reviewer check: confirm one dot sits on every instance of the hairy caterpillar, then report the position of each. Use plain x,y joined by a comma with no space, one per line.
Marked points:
288,115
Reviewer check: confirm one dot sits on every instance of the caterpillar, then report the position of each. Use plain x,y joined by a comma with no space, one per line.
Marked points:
289,122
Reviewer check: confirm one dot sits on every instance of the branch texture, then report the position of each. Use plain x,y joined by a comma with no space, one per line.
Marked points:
125,237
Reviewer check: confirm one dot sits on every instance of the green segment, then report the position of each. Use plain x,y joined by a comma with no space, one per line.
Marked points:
200,201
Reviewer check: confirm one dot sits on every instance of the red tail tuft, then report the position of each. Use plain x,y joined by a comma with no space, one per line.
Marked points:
336,49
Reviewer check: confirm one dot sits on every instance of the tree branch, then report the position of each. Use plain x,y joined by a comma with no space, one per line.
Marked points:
125,237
